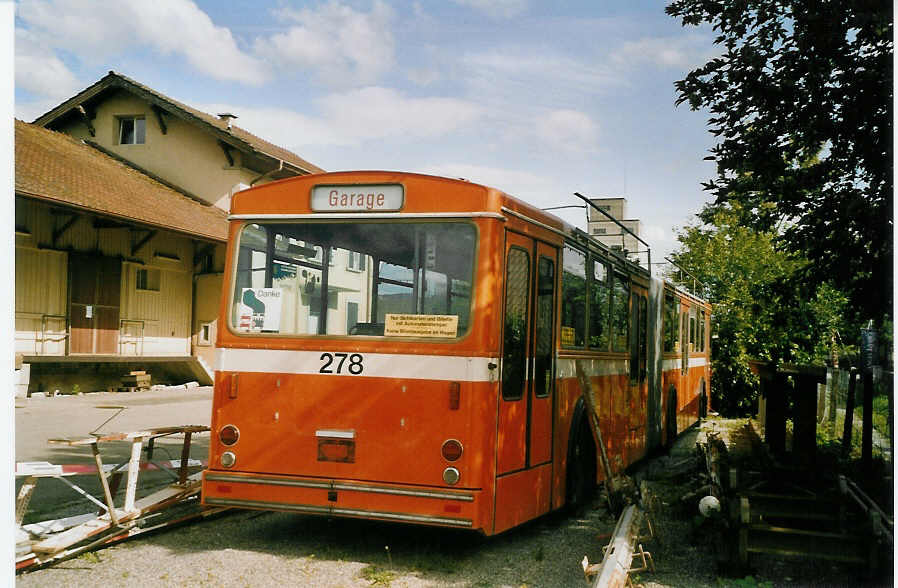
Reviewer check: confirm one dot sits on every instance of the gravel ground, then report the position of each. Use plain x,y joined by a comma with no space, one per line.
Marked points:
266,549
245,548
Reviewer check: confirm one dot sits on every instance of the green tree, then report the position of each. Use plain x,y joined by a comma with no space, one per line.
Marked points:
758,312
800,100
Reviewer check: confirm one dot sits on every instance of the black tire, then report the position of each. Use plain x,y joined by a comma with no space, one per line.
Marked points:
581,466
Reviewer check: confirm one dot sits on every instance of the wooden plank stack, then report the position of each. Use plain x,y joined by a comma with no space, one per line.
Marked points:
136,380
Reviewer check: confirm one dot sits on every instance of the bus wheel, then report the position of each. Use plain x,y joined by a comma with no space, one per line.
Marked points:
581,466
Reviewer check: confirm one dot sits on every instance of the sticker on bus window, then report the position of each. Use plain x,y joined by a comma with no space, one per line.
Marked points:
567,336
260,310
421,325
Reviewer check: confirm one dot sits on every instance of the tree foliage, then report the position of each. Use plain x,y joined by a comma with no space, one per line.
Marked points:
800,100
757,314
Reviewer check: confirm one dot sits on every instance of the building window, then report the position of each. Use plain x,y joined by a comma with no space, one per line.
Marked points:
132,130
352,316
599,231
148,279
357,261
206,333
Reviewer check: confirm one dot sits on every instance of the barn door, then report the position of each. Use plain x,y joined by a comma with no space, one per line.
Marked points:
94,304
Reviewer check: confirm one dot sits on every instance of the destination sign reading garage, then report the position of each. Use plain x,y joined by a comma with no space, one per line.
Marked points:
358,198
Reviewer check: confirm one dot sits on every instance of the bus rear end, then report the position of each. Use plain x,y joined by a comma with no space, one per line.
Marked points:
356,370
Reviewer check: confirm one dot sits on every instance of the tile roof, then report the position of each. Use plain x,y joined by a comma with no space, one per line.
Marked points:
235,135
57,168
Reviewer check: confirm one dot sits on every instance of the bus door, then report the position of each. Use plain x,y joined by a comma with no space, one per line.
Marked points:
528,359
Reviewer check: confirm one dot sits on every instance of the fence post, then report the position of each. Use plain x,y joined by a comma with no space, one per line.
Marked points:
849,412
867,429
804,419
834,380
890,389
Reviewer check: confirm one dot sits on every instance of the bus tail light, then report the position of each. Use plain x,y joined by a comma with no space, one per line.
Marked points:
228,435
451,450
228,459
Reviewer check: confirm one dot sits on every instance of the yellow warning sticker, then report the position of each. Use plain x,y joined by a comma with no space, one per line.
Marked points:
421,325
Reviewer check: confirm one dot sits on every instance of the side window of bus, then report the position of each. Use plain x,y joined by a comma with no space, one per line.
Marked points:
692,330
598,306
670,324
545,291
643,337
701,331
573,298
638,333
684,332
620,313
514,338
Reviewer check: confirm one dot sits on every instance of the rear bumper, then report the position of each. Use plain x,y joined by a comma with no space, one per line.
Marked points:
343,498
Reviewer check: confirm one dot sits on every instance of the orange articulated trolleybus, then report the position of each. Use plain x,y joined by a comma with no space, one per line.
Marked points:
403,347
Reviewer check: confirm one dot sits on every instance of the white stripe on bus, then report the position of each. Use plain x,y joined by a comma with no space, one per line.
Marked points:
675,364
565,367
407,366
375,365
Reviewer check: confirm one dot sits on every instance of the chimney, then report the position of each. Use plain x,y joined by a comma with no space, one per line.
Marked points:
227,116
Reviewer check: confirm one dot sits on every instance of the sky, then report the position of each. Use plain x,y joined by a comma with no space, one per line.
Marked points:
539,99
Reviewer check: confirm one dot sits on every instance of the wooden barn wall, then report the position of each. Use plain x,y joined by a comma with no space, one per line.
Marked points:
153,322
40,301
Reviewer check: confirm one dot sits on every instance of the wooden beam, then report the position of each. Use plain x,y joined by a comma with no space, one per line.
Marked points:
57,233
614,570
86,118
102,223
227,151
160,118
202,252
139,245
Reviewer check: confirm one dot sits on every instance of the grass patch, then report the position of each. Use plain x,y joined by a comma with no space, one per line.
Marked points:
746,582
377,576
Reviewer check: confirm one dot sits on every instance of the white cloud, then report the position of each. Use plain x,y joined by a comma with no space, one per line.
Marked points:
654,233
344,46
496,8
96,30
536,189
663,241
529,68
376,111
422,77
39,71
675,52
353,117
568,130
511,181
